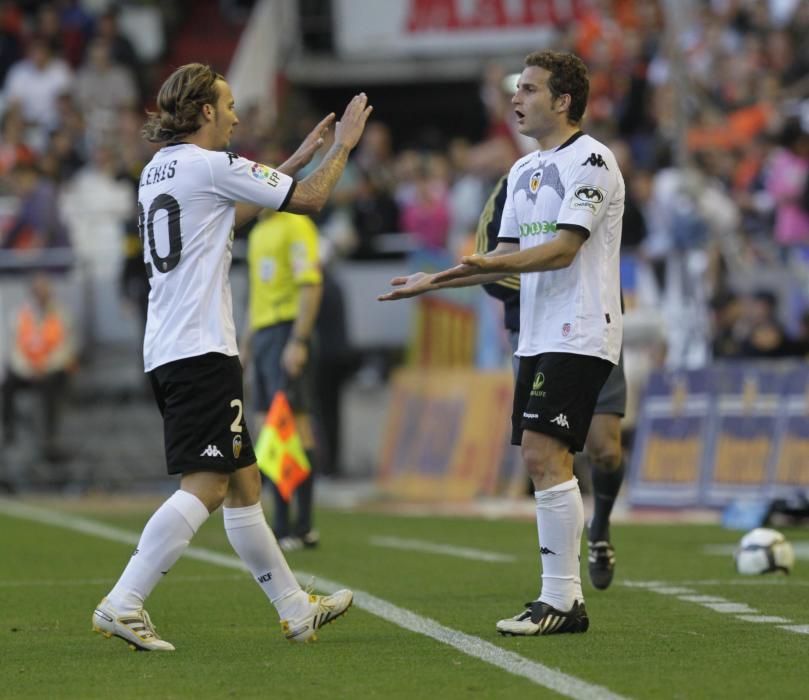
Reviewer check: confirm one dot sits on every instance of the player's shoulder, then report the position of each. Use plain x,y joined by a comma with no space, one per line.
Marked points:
521,164
589,151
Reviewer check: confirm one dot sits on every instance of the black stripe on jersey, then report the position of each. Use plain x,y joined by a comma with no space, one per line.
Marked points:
289,195
576,229
570,141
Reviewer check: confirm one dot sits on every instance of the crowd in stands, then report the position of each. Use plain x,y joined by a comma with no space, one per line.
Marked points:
717,184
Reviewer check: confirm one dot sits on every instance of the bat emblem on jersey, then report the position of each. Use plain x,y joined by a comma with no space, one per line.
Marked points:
587,197
532,181
587,193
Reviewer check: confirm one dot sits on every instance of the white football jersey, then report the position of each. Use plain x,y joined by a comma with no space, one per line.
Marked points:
576,309
186,213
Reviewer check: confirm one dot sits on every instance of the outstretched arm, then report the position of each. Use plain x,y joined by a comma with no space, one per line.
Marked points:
462,276
553,255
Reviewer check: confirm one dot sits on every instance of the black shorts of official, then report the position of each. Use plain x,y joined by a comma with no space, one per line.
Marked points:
201,400
555,394
612,398
269,375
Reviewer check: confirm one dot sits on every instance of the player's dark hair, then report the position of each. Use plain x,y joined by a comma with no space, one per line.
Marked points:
180,101
568,77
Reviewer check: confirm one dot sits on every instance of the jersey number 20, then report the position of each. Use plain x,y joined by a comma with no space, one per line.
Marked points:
167,203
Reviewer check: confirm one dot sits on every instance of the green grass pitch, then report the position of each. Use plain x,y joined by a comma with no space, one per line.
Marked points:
648,638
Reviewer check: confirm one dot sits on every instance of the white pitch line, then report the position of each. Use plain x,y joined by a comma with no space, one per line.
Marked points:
57,583
742,611
801,549
562,683
435,548
772,619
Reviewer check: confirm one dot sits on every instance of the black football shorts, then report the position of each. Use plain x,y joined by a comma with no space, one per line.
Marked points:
201,400
555,394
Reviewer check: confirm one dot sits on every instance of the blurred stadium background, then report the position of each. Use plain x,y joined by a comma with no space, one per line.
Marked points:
705,102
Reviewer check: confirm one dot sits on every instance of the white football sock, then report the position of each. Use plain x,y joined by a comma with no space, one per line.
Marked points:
162,541
560,522
254,542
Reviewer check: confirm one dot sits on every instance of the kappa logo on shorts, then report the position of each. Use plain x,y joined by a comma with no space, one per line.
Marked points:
211,451
561,421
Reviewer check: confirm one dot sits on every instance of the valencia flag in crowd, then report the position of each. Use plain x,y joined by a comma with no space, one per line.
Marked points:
279,452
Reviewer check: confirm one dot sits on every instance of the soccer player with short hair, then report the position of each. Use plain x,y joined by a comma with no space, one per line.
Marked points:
603,447
561,231
191,196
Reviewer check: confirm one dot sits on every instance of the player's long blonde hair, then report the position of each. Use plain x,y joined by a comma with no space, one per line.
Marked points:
180,101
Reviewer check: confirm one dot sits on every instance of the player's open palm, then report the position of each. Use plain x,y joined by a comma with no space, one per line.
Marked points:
348,130
407,286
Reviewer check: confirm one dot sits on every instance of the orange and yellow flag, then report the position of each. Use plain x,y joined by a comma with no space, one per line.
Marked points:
279,452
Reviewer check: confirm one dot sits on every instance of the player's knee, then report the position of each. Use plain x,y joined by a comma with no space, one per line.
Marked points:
607,458
536,463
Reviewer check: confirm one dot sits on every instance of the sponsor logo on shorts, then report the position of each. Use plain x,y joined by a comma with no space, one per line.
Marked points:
539,382
237,446
262,173
530,415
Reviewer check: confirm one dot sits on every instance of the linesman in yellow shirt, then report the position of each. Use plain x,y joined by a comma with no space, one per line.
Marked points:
286,287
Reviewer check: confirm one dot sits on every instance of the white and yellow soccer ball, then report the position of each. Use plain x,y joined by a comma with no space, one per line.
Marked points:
764,551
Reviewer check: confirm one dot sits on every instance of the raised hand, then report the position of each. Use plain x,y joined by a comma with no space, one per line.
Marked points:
348,130
408,286
309,146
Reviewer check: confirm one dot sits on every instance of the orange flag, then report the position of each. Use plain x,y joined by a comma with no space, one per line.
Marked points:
279,452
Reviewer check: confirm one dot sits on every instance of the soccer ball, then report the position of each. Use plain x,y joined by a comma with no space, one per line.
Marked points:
764,551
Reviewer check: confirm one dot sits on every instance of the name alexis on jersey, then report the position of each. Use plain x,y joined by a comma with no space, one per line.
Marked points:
158,173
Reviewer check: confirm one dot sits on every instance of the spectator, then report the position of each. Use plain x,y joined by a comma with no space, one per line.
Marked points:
13,148
97,207
765,335
41,358
427,214
36,224
373,212
103,88
36,82
786,179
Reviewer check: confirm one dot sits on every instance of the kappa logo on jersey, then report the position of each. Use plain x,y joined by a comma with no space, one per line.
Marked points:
561,421
595,160
588,197
532,181
211,451
263,173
